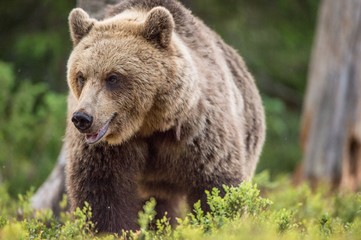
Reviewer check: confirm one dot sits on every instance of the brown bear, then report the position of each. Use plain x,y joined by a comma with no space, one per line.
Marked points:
159,106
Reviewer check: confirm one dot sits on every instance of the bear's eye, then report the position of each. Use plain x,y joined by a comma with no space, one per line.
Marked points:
80,79
112,79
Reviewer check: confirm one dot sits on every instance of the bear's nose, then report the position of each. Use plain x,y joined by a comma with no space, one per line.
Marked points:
82,121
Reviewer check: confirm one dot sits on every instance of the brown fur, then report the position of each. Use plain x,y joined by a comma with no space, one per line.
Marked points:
185,114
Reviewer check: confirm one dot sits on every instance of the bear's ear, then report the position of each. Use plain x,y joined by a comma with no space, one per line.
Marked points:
158,26
80,24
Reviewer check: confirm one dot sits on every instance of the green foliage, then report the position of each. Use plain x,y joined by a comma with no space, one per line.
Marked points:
35,38
29,224
31,126
236,202
235,213
275,39
146,217
281,152
79,226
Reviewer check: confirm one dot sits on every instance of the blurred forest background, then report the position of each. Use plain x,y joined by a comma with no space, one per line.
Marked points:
274,38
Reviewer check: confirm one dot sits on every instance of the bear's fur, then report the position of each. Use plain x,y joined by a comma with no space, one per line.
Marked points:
170,112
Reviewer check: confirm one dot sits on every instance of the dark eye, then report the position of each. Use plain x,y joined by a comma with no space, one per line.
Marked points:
112,79
80,79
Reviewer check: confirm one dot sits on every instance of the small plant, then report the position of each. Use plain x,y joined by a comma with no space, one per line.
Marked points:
78,225
237,202
235,213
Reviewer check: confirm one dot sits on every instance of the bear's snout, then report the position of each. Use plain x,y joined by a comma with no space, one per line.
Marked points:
82,121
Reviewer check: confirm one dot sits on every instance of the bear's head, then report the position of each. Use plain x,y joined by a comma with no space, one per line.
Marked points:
130,75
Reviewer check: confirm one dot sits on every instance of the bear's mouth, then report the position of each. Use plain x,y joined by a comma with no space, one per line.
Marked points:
92,138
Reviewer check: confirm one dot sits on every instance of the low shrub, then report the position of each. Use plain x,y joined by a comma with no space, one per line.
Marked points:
284,212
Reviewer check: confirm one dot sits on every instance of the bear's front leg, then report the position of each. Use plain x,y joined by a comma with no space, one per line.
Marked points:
104,176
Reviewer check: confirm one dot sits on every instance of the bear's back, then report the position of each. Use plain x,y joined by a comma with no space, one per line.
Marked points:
214,57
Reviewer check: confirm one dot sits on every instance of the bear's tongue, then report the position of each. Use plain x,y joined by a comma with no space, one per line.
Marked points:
95,137
92,138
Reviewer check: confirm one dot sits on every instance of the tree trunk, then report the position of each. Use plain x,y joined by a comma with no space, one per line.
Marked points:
331,121
52,190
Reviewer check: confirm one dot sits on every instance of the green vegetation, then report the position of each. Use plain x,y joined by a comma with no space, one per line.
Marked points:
282,212
31,125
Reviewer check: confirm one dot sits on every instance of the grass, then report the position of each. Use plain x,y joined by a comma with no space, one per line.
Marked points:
258,210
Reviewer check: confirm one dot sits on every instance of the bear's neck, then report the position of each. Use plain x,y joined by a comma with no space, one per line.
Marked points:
177,100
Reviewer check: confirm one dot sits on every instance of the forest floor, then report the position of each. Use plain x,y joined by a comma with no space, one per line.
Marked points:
263,209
